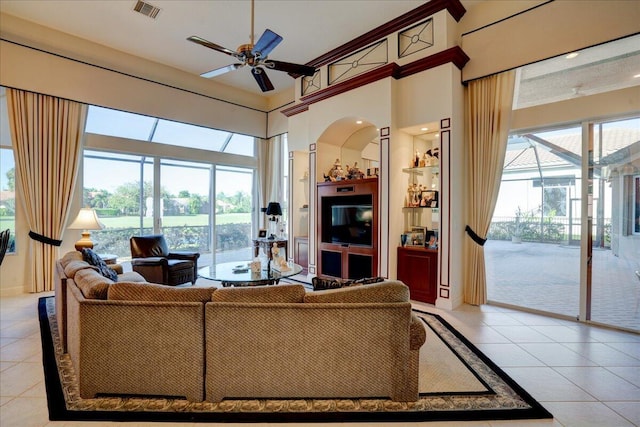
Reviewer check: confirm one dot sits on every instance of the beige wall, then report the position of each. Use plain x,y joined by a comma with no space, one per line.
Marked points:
552,29
33,70
595,107
545,31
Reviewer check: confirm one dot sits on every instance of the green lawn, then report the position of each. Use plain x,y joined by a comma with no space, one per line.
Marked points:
167,221
7,222
178,220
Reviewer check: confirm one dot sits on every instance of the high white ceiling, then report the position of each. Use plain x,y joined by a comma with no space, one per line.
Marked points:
310,28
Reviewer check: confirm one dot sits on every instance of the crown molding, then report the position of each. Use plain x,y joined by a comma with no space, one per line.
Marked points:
453,55
454,7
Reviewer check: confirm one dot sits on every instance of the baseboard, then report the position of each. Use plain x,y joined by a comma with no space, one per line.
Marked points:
12,291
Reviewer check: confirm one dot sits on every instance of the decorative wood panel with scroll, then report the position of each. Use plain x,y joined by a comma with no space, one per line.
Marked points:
415,39
359,62
310,84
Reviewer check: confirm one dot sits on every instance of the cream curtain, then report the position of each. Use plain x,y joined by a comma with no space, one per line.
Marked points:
46,134
488,104
269,173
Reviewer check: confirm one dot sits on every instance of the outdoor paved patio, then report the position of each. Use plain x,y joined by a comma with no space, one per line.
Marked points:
546,277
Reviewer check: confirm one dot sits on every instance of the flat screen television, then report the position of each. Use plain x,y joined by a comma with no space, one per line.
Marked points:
347,220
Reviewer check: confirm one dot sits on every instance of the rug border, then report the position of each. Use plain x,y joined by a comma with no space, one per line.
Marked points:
58,410
531,401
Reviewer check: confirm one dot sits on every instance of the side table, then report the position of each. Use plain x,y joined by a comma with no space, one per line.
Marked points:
266,244
109,258
112,261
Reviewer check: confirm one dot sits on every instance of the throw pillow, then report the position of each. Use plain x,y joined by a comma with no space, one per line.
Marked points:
368,280
320,284
92,258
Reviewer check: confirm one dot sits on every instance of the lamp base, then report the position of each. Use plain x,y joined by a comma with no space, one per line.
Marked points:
84,242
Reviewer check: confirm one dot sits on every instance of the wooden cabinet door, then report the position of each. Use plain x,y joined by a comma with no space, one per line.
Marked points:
301,251
418,269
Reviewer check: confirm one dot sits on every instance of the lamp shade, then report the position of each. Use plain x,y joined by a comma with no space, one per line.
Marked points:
87,219
274,209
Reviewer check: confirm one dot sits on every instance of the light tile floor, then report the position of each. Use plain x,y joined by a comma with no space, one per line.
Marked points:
584,375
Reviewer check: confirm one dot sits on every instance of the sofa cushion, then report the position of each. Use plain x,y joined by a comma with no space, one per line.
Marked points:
131,276
136,291
74,266
70,256
92,258
92,284
388,291
263,294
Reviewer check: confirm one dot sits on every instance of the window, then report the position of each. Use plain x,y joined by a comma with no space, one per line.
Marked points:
7,175
8,195
636,207
104,121
555,201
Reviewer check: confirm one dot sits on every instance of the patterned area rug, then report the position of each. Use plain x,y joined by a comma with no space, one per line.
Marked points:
457,382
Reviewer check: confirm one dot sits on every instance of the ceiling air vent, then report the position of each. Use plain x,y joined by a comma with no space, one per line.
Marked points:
146,9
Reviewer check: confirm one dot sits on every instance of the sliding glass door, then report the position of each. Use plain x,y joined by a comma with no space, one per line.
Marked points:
119,187
615,224
184,204
565,236
533,251
233,214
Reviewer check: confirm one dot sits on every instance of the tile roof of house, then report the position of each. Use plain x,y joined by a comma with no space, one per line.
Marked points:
525,158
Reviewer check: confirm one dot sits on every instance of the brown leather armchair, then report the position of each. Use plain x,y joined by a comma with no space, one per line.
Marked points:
150,256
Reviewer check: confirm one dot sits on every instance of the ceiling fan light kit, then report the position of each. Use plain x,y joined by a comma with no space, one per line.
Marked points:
256,56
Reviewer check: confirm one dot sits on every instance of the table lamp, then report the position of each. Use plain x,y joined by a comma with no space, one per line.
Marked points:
86,220
274,211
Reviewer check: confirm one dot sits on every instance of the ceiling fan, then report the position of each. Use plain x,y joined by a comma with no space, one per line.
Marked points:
256,56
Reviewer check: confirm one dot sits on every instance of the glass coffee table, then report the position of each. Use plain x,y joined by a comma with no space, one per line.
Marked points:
239,274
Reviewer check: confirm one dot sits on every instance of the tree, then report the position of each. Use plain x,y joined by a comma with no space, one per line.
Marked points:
95,198
11,179
195,204
126,197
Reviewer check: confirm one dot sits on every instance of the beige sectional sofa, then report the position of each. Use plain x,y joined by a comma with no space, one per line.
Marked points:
252,342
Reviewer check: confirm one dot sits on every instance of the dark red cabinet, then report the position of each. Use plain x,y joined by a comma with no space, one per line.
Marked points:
418,269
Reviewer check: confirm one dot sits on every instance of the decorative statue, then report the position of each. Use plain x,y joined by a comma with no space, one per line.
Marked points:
434,155
336,173
279,263
354,172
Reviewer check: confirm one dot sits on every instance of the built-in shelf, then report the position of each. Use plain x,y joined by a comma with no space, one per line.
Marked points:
422,170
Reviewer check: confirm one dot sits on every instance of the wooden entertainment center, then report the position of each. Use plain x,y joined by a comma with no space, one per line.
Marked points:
348,228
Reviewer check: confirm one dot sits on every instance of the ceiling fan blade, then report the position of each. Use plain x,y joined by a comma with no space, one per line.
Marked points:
211,45
221,70
261,77
289,67
266,43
